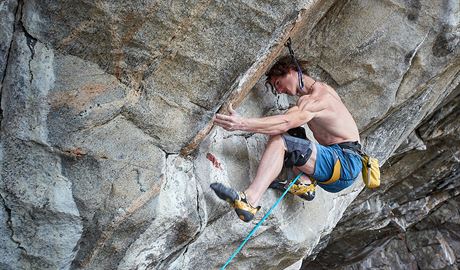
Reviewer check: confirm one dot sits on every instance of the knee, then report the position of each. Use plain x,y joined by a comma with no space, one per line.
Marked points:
277,139
275,136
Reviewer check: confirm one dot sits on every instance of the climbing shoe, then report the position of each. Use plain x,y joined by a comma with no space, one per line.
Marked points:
303,190
237,200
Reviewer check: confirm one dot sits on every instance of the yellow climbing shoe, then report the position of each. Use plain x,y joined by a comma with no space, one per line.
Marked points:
303,190
237,200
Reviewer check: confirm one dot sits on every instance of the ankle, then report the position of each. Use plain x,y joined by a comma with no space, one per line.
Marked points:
251,199
304,179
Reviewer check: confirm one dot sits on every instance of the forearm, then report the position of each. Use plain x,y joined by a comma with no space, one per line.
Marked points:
270,125
277,124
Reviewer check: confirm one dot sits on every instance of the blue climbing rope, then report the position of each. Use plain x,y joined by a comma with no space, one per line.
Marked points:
260,222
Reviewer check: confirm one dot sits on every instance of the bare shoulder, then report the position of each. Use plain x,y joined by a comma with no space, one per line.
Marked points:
306,100
324,90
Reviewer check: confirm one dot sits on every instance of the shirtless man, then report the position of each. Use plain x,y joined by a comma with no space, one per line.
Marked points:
332,125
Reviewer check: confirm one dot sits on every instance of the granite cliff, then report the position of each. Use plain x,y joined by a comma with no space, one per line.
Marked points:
107,147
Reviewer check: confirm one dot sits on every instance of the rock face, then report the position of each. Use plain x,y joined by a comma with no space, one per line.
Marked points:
99,98
413,220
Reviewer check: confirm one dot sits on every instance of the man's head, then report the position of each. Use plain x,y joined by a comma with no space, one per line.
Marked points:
283,75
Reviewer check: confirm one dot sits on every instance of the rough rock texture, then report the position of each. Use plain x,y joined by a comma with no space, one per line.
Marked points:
7,12
415,211
98,98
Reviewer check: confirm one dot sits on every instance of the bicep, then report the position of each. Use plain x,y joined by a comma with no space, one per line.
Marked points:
298,117
308,103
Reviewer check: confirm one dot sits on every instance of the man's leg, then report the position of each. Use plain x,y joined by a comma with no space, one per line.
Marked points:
309,167
270,166
305,179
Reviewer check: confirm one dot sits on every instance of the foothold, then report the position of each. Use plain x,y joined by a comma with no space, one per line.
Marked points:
445,43
214,160
77,152
413,8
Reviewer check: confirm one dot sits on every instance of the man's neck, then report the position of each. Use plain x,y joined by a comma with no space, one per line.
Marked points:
307,87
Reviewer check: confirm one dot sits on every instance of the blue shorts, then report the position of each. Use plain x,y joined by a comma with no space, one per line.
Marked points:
325,160
326,156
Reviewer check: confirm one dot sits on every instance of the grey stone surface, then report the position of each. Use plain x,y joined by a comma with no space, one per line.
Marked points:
82,96
430,244
431,250
117,174
392,255
7,16
419,190
43,217
98,98
179,221
9,248
29,77
181,58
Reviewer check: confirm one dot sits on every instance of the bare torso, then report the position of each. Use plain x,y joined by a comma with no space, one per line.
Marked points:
334,124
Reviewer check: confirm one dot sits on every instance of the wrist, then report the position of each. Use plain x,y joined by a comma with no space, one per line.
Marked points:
244,124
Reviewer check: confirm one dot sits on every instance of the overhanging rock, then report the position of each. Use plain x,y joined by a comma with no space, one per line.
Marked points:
107,142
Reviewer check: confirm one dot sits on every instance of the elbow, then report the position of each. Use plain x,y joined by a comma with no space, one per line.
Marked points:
291,123
304,118
294,122
281,130
285,128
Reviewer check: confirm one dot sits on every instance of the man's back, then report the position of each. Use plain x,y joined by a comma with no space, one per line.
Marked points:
334,124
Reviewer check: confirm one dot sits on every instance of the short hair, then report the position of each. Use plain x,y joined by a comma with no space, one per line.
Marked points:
284,64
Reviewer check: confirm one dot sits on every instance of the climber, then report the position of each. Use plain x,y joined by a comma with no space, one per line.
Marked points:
333,162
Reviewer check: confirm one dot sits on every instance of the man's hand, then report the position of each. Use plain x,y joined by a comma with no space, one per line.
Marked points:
230,122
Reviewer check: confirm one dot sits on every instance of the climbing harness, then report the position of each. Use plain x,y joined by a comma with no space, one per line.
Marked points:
370,170
353,147
260,222
299,70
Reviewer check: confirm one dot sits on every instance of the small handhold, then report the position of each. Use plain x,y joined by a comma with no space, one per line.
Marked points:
214,160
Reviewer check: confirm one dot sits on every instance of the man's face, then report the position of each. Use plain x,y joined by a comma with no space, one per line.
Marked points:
286,84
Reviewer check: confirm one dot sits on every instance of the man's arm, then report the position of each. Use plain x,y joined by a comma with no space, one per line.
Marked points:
309,103
271,125
277,124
